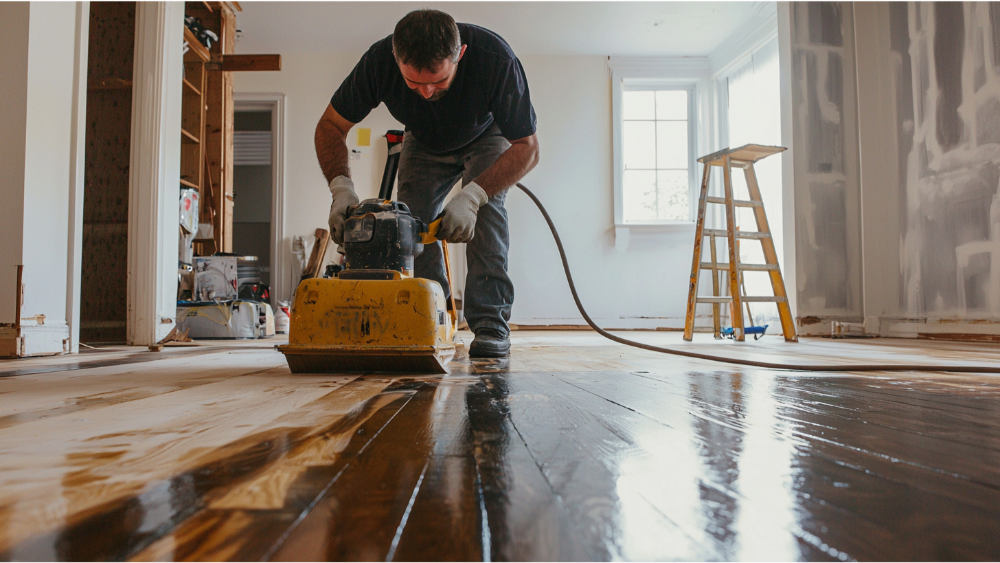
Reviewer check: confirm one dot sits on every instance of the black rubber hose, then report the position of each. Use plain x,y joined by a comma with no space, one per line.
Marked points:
751,363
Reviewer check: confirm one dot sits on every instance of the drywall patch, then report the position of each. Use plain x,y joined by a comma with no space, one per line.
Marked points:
951,126
828,198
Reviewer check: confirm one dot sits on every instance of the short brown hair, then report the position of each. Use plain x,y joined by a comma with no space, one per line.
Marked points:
425,38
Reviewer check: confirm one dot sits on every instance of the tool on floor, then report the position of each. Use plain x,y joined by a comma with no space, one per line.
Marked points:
756,331
741,157
374,316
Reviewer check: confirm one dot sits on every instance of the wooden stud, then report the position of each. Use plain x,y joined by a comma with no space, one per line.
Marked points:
19,299
218,139
241,63
228,44
196,47
206,213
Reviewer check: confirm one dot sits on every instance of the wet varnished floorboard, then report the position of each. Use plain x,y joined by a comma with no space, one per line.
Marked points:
572,449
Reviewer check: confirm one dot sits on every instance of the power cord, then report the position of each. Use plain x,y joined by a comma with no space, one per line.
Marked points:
734,361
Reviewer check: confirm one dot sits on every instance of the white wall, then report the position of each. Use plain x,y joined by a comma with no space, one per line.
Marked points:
308,89
41,240
644,286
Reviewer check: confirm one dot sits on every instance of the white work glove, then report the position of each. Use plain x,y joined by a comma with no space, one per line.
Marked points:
459,221
342,189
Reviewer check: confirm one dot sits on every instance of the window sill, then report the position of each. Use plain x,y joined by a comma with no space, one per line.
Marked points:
658,225
623,232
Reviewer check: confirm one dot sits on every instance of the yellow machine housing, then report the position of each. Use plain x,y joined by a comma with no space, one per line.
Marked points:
350,325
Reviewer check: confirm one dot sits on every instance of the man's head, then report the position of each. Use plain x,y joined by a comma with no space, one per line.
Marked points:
427,47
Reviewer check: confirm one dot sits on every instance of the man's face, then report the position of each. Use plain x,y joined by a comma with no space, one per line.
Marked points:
431,85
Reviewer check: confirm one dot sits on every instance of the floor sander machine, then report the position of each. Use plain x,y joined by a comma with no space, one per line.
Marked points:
375,316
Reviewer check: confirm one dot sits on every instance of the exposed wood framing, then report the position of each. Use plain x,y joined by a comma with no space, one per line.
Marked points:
196,47
236,63
217,139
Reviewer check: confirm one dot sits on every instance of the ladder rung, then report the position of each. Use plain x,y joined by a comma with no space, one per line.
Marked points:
737,202
750,299
744,267
739,234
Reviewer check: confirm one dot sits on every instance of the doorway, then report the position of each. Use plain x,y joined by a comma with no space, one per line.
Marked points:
257,186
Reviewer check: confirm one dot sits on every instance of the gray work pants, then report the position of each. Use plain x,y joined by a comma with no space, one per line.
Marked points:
425,178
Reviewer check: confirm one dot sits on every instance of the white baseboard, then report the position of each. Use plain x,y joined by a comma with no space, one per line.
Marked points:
944,329
986,330
45,340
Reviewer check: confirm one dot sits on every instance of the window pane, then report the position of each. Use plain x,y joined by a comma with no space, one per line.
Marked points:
671,144
673,190
639,195
638,105
639,144
671,104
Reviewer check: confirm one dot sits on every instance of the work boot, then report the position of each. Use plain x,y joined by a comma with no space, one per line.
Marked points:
489,343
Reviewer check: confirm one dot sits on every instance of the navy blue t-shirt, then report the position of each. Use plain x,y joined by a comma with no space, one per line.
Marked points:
489,87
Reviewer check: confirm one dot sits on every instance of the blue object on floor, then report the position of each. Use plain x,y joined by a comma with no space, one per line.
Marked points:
756,331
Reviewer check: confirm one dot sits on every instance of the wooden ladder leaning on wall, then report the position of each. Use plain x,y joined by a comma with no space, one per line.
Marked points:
742,157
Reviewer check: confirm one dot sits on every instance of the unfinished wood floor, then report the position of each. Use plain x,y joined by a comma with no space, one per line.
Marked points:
574,448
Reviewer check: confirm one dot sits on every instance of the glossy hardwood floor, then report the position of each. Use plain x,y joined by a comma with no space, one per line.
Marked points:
574,448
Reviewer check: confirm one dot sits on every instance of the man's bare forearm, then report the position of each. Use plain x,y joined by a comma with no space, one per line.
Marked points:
512,165
331,149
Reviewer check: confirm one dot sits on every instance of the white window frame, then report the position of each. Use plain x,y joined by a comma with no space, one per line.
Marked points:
685,73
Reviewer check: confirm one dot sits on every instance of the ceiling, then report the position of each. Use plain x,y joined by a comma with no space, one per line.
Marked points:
560,28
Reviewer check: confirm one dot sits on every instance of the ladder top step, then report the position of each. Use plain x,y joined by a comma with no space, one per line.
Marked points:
747,153
736,202
739,234
746,299
744,267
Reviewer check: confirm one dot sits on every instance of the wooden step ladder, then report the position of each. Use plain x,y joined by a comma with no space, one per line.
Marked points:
742,157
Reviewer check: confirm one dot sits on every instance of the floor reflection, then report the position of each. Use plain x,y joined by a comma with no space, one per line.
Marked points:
546,463
766,519
718,414
738,465
661,490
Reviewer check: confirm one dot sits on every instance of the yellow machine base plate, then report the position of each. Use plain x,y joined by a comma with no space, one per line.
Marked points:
369,326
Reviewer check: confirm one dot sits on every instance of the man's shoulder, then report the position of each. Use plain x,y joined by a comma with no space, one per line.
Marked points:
486,42
381,49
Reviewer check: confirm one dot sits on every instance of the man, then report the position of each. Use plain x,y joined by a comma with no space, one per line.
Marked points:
463,97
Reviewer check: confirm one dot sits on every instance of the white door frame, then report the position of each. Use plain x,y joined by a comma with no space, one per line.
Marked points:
275,103
155,164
